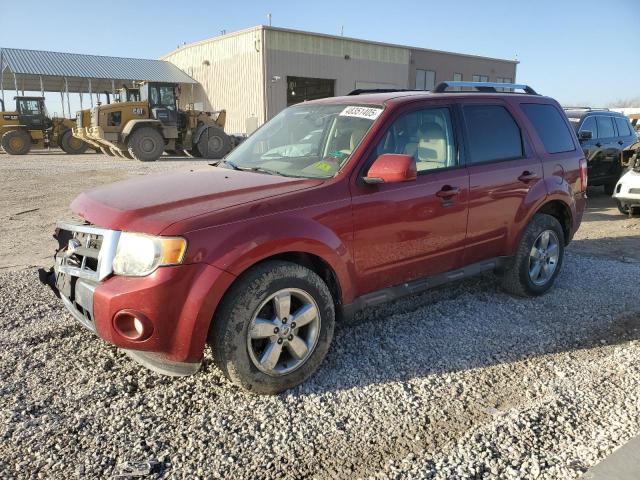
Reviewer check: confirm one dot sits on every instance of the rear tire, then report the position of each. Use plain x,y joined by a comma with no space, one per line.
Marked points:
72,145
16,142
536,264
610,187
146,144
241,349
214,143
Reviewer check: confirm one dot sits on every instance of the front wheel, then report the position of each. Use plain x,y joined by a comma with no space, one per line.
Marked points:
273,328
538,259
214,143
622,207
72,145
146,144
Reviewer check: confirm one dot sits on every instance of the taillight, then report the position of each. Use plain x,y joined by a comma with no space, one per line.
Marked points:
583,175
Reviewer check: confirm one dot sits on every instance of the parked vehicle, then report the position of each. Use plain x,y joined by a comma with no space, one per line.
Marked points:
332,206
627,191
603,135
150,122
29,125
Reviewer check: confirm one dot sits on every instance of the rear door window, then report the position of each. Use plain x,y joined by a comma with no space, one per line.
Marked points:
605,126
624,129
492,133
550,126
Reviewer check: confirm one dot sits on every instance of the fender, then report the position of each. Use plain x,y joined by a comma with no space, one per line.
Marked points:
199,131
132,124
238,246
537,199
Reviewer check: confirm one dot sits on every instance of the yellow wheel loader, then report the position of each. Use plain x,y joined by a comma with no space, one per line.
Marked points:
30,126
143,129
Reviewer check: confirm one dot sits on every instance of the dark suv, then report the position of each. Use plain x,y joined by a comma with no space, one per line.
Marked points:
333,205
603,135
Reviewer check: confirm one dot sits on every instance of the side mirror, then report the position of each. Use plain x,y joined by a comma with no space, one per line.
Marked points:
392,168
585,135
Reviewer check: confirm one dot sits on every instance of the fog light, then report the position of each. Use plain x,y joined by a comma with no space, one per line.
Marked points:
132,325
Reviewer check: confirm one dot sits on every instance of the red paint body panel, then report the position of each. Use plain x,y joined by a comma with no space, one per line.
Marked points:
371,236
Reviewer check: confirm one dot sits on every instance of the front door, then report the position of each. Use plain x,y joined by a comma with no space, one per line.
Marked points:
502,173
405,231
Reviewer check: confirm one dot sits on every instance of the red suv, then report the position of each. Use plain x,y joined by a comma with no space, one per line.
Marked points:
332,206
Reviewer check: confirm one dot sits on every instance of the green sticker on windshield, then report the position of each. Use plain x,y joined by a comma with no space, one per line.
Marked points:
324,166
338,154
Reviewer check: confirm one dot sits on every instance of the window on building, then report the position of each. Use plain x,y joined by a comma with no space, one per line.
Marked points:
425,79
550,126
504,80
114,119
427,135
493,134
300,89
480,78
624,129
605,126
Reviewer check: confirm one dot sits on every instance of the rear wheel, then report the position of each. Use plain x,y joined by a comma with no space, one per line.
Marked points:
609,188
214,143
16,142
72,145
273,328
146,144
538,260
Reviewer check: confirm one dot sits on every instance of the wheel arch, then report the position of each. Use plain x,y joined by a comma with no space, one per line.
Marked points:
133,125
561,211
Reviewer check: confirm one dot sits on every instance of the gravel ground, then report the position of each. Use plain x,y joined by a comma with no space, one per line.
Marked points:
461,382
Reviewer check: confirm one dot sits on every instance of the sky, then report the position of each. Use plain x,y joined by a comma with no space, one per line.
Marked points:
581,52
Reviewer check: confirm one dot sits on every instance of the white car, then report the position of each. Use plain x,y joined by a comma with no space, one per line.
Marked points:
627,190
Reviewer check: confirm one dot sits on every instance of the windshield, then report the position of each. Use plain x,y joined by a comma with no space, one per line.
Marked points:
312,141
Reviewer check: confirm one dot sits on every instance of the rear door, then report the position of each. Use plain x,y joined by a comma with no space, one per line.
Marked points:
592,147
503,173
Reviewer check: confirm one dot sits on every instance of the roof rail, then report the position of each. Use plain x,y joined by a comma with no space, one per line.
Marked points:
483,86
588,109
362,91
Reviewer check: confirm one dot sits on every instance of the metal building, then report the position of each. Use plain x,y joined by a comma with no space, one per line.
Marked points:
257,72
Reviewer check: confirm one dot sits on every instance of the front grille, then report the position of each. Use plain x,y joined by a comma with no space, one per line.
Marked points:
86,251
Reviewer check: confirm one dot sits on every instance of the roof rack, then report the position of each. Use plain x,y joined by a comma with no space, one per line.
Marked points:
483,87
362,91
588,109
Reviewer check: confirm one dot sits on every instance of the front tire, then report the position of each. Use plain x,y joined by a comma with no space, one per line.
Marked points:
622,207
214,143
72,145
273,328
16,142
538,260
146,144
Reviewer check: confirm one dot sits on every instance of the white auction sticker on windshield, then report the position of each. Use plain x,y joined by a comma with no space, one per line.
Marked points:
361,112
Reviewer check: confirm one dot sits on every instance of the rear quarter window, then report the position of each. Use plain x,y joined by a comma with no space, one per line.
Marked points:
624,129
550,127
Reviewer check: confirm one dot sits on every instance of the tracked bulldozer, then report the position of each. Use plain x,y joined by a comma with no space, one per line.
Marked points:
30,126
144,128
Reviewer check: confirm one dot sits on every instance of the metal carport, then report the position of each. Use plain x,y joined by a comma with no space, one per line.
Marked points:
36,70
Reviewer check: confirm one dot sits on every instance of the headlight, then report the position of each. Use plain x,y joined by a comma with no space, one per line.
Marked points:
138,255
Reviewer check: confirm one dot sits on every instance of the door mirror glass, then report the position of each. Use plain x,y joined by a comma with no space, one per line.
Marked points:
585,135
392,168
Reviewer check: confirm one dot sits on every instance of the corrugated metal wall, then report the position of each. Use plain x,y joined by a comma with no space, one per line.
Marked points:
350,62
230,73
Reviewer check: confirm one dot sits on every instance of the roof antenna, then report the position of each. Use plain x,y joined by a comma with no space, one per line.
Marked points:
342,30
269,17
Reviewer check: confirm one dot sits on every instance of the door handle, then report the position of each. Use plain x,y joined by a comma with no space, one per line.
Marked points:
598,144
448,191
527,176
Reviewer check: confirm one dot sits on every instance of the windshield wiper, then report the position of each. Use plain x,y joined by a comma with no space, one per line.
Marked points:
226,164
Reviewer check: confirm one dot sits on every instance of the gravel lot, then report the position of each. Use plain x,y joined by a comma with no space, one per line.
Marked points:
461,382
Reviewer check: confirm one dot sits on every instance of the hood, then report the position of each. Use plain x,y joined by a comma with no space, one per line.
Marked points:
152,203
